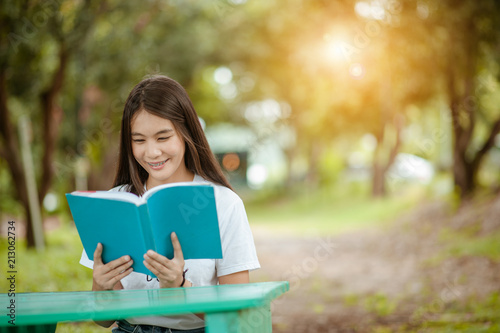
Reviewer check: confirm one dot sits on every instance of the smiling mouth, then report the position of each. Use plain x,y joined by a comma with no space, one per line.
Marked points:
154,165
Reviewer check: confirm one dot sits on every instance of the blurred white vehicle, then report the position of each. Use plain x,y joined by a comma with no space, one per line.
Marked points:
408,167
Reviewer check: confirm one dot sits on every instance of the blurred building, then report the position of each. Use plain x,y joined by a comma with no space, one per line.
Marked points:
231,146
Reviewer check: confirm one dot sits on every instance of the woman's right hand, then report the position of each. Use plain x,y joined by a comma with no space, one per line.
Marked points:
106,276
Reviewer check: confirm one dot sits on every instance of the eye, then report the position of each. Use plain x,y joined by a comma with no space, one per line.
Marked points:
164,138
137,140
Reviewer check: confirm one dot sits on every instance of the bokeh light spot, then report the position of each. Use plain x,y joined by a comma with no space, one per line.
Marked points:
357,71
223,75
231,161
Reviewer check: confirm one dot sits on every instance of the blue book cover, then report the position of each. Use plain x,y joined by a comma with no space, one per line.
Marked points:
130,225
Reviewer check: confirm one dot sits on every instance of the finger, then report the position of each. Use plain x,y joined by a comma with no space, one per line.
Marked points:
151,268
119,264
121,267
125,273
116,267
120,276
97,254
177,246
154,256
161,264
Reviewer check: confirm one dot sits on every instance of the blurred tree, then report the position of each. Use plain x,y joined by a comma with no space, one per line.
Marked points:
282,45
81,59
342,73
178,39
36,43
399,62
398,54
470,48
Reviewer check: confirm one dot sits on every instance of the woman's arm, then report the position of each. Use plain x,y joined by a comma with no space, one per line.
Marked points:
235,278
108,323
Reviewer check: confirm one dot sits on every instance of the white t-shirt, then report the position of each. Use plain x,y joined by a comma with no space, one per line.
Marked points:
238,252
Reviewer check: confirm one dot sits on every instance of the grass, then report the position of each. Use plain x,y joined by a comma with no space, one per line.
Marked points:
471,316
469,245
380,304
330,211
466,242
54,269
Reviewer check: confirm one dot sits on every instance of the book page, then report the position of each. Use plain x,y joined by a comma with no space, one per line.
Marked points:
111,195
155,189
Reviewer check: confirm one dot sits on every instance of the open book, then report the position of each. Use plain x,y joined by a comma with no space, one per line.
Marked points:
126,224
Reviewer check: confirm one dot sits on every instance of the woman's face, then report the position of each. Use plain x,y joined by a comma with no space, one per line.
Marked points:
159,149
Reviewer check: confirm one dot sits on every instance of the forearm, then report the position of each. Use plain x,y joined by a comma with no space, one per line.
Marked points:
105,323
189,284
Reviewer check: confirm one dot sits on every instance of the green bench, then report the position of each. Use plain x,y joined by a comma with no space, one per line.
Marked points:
237,308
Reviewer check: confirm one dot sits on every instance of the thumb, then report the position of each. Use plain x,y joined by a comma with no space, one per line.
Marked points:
98,254
177,246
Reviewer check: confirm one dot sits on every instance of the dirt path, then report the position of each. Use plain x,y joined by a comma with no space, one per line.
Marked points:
357,281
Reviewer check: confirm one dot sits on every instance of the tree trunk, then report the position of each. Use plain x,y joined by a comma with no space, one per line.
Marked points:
465,168
314,155
378,176
463,174
291,176
463,114
52,115
380,167
10,153
50,128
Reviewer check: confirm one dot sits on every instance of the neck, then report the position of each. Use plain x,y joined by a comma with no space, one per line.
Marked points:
186,176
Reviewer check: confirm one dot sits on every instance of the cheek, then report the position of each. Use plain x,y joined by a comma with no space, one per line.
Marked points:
136,151
177,148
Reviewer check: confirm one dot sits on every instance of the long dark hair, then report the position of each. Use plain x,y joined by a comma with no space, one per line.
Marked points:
165,98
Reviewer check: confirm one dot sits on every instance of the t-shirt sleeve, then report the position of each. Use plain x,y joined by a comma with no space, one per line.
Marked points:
238,247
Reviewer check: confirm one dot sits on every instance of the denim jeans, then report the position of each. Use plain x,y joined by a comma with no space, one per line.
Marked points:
125,327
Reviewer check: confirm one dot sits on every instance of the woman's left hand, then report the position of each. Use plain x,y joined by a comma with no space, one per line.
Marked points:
169,272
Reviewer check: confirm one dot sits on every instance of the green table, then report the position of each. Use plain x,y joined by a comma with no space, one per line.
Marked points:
227,308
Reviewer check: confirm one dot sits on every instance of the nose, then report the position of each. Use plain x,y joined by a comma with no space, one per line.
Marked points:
153,150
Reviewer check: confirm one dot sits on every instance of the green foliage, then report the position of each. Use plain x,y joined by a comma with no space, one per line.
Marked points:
205,94
331,165
379,304
55,269
351,300
474,315
468,243
8,205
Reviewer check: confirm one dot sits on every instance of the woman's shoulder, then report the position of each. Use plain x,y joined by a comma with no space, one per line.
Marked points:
222,193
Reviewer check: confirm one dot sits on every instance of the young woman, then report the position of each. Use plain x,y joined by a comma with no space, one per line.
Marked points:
163,142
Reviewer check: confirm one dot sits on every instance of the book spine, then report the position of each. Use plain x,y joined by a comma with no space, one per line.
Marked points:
146,227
